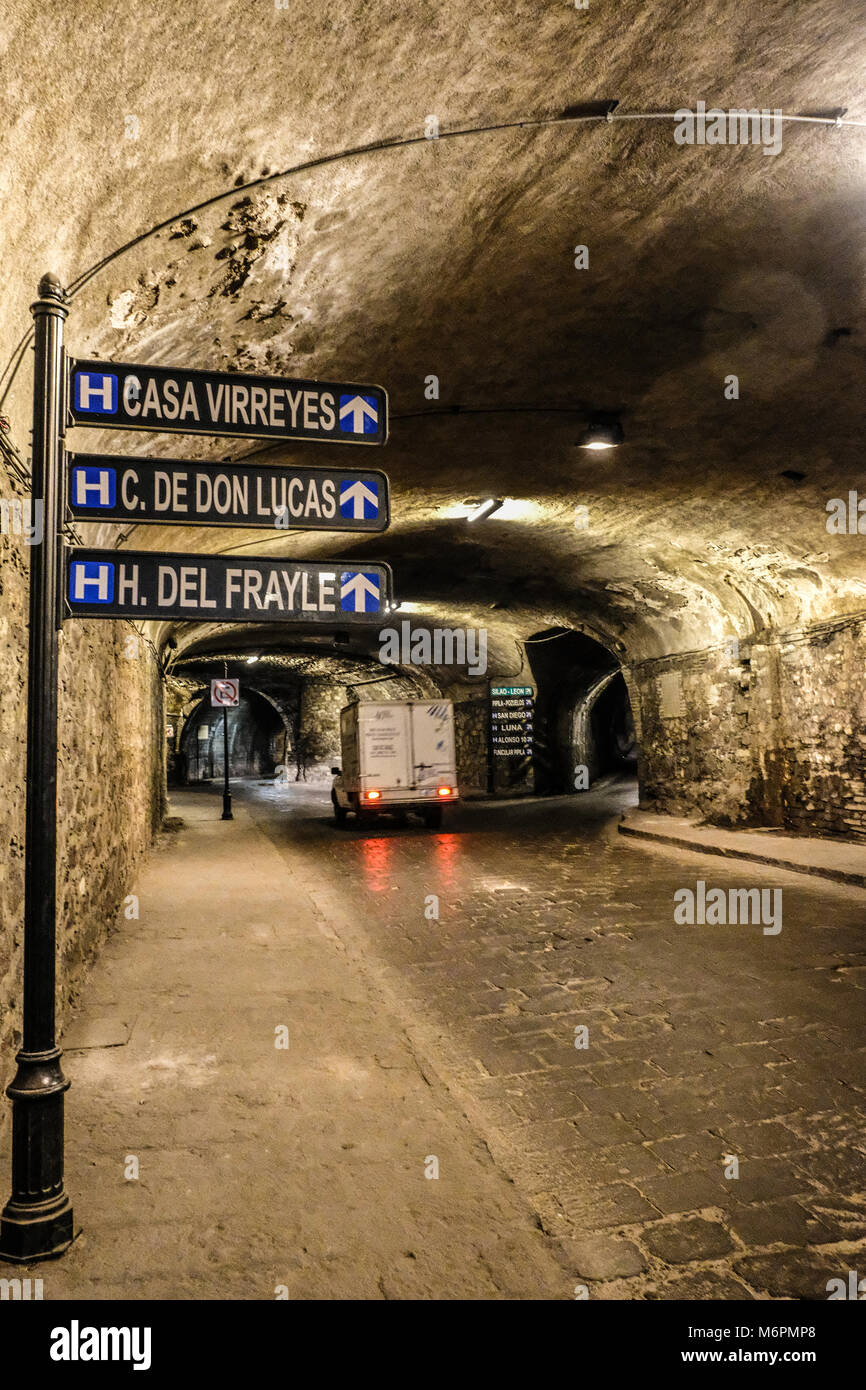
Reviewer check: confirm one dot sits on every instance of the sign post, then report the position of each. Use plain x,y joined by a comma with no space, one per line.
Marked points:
225,695
36,1222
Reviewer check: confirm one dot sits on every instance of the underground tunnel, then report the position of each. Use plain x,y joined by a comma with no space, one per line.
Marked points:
533,938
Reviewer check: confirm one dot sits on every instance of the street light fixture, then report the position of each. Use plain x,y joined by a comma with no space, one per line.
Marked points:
485,509
603,432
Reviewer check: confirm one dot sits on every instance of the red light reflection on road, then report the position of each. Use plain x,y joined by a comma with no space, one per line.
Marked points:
385,861
377,854
446,850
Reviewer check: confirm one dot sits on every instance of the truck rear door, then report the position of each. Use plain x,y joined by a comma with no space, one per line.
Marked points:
433,744
384,747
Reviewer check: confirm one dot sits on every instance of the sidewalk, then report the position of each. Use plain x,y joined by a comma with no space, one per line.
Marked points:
839,860
260,1168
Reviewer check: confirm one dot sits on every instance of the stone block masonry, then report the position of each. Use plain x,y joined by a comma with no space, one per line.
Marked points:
812,774
471,733
775,736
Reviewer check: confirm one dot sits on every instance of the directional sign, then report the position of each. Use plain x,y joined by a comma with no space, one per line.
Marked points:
511,709
125,396
225,693
105,487
224,588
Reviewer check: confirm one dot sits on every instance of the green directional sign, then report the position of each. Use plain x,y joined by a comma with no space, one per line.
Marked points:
511,722
224,588
126,396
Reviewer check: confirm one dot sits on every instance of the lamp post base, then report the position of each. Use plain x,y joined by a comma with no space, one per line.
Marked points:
30,1234
36,1222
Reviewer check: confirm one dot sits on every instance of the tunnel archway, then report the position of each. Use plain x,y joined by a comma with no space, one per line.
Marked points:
611,738
292,692
255,738
584,725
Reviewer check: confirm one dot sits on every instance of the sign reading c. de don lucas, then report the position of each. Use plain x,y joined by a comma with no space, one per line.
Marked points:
106,487
224,588
125,396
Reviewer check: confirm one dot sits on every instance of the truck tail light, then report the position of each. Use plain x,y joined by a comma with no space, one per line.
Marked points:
445,791
371,796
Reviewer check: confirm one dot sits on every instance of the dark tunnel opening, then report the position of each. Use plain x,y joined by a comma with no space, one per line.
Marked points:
584,726
257,738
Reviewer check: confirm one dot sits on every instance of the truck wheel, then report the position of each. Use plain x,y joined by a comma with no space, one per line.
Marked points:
432,816
340,812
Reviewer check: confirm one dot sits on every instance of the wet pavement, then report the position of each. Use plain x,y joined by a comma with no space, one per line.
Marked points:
508,1071
707,1141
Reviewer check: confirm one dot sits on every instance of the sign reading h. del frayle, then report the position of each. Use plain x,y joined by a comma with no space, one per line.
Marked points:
224,588
127,396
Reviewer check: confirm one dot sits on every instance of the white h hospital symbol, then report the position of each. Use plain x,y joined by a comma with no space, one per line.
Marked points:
82,581
104,387
101,485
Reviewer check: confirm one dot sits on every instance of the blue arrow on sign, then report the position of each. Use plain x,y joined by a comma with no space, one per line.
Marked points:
359,592
359,414
94,487
359,501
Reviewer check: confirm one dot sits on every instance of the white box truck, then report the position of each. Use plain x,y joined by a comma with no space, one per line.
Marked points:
397,756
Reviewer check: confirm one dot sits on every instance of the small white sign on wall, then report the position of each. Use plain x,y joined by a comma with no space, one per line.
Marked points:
671,702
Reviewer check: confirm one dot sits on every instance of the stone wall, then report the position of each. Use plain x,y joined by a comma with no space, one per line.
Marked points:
809,730
771,735
321,702
110,779
110,786
694,742
471,736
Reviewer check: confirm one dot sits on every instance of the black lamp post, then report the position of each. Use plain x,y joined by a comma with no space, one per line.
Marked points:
227,796
36,1222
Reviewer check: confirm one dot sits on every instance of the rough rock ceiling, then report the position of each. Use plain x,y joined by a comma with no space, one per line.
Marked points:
455,258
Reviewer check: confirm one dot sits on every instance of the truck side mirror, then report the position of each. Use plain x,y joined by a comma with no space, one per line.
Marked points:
335,772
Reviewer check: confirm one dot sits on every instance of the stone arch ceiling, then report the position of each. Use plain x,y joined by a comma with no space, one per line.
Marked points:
455,258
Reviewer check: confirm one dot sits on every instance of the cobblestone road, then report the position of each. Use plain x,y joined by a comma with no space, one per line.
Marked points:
706,1044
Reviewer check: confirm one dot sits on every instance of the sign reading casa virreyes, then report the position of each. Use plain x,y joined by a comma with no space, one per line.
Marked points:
124,396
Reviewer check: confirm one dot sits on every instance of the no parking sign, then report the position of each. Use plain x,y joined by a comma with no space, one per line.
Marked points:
225,694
